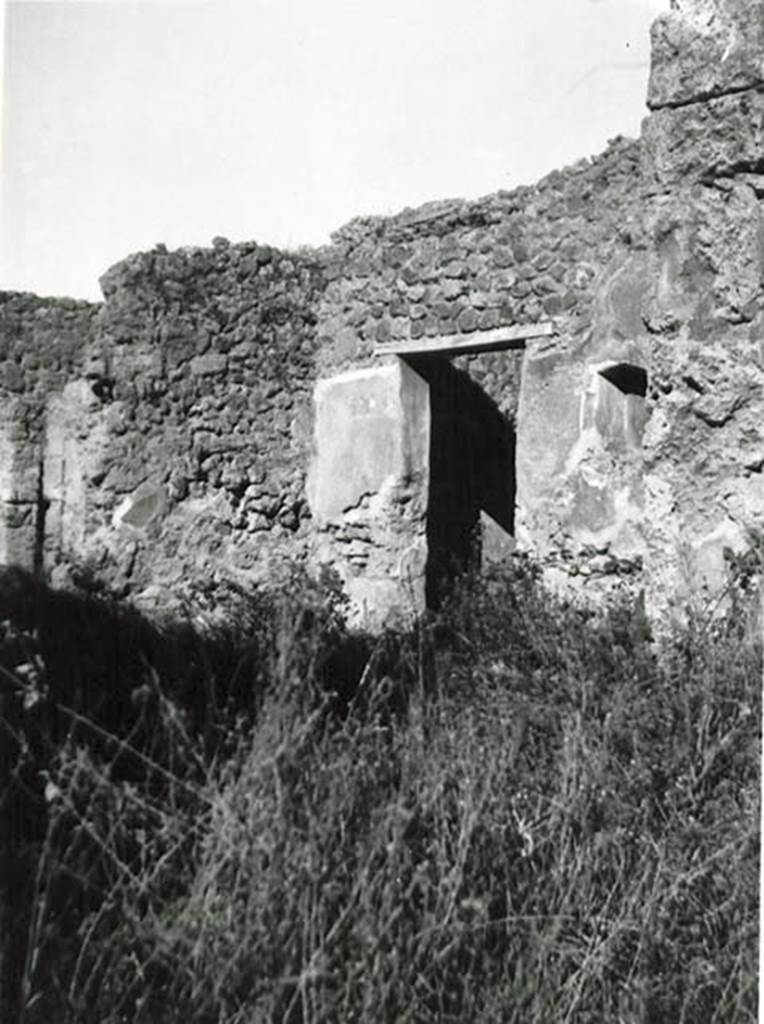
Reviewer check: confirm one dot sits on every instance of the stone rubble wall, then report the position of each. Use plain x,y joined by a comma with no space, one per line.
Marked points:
519,256
173,425
43,343
163,434
195,449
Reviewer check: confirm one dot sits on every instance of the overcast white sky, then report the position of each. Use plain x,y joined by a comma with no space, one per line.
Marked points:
127,124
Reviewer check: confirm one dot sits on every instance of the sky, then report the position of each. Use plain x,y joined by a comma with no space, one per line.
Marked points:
127,124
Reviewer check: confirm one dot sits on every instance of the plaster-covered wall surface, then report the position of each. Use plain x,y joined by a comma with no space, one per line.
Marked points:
43,344
368,487
224,408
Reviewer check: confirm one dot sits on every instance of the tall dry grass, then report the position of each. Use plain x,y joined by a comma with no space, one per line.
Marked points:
519,811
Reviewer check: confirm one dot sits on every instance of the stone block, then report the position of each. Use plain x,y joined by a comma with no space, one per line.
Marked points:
706,262
209,364
719,138
11,376
706,48
467,320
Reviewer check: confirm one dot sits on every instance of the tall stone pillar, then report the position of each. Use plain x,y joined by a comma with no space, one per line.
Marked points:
703,161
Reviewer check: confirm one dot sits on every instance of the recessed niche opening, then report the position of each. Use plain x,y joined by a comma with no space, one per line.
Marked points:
620,409
628,378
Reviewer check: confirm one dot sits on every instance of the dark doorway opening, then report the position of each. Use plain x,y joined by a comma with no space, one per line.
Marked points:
472,469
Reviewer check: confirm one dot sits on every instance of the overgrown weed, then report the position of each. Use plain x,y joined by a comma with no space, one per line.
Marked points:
519,811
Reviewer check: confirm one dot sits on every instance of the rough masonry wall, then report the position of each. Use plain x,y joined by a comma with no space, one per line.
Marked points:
179,442
457,266
43,342
189,457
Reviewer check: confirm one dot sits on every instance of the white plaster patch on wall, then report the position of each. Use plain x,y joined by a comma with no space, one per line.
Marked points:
707,557
588,441
368,487
358,439
7,458
76,435
412,563
146,504
62,472
622,533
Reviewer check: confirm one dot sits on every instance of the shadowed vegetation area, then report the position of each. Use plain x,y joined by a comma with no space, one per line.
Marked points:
518,811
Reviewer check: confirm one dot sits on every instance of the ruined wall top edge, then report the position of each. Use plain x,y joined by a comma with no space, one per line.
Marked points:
22,300
443,214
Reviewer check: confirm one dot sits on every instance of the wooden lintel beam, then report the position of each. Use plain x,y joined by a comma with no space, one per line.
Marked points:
495,340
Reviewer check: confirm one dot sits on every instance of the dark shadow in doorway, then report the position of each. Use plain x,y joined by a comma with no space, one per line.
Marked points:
472,468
